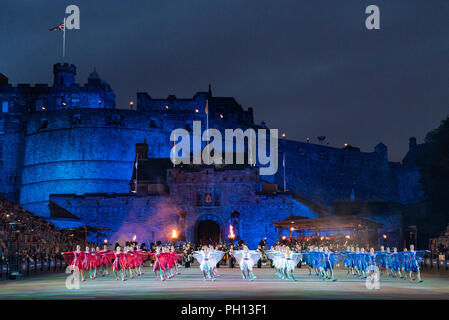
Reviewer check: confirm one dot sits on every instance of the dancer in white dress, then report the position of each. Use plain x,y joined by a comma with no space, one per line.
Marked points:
208,260
246,259
276,255
288,262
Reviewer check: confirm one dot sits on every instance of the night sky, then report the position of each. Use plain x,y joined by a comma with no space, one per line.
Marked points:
309,68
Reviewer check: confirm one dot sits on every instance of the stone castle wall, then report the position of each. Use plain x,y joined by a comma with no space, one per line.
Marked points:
88,147
324,174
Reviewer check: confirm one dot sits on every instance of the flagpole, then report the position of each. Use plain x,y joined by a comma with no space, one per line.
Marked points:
174,151
63,39
285,185
137,165
207,125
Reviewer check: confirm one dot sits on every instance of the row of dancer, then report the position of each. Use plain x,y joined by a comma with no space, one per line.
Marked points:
391,263
166,261
124,263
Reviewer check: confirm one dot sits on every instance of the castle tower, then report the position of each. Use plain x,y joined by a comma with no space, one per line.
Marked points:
64,74
382,150
94,79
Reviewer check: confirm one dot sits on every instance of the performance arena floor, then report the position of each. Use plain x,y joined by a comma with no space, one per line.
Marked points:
229,285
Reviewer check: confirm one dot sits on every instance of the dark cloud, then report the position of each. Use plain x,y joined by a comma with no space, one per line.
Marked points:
307,67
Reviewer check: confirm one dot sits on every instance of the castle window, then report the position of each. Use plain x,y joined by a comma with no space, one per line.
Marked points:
301,152
11,179
153,124
75,102
2,126
217,199
323,156
116,119
342,159
363,162
76,119
5,106
43,124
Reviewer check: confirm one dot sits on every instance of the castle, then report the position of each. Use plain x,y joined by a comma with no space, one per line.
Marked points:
68,154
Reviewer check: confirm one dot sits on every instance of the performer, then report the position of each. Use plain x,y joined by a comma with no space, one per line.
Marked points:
175,257
129,261
308,258
316,260
92,263
276,255
105,258
139,256
247,259
86,260
75,260
388,262
159,264
413,258
395,263
348,260
214,267
207,261
118,266
358,263
374,259
382,260
402,262
329,260
290,260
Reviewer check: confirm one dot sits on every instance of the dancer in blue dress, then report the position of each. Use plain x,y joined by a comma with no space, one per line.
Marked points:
396,258
328,261
412,260
388,262
382,264
348,260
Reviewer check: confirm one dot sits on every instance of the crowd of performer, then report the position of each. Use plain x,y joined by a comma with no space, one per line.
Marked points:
165,260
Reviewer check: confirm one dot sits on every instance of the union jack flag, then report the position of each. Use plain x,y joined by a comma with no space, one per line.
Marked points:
60,27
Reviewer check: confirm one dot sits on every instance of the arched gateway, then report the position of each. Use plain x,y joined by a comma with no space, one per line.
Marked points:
208,229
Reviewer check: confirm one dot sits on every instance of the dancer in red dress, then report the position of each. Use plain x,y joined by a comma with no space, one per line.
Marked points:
140,256
86,260
105,257
159,264
92,263
75,260
175,257
131,261
119,264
